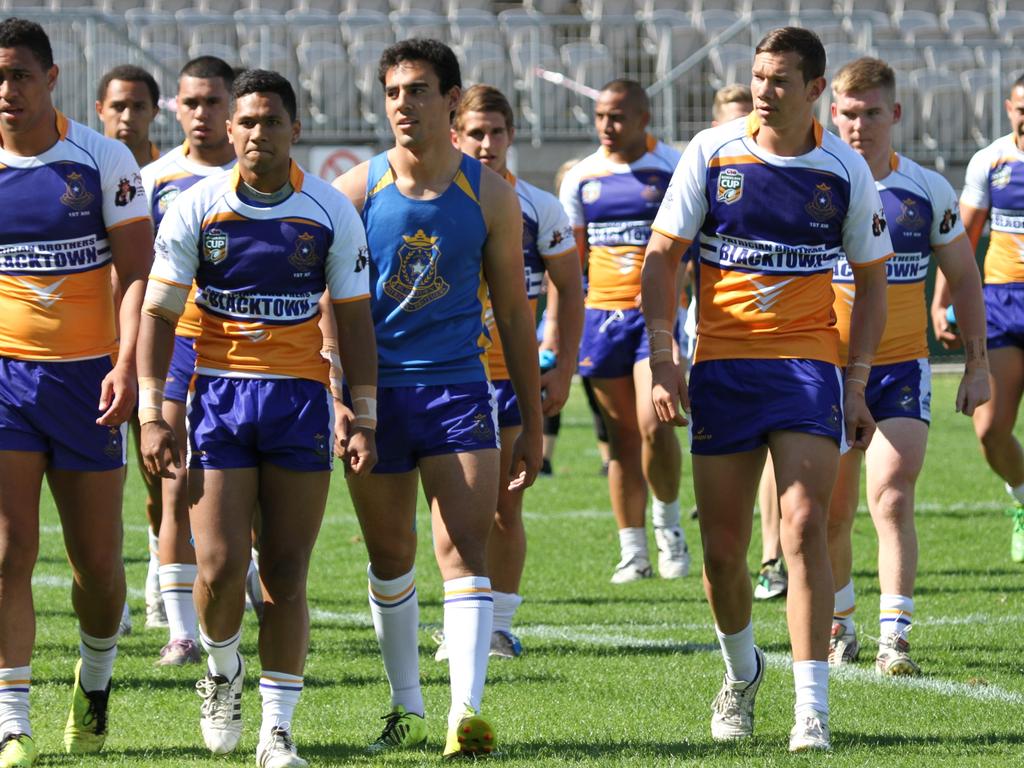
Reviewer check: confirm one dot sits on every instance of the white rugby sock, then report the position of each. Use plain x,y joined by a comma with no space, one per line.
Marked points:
395,608
633,543
664,514
98,654
176,583
468,617
505,605
738,653
1017,493
811,681
895,613
223,654
153,572
14,685
280,693
845,606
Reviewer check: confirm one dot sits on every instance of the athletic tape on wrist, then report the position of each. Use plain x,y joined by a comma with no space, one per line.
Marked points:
659,339
151,399
364,405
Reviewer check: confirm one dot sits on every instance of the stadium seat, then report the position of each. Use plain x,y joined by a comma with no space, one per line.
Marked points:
170,6
594,10
907,132
118,8
964,26
228,53
732,63
739,7
364,56
330,6
1009,26
273,56
918,26
548,7
418,24
310,25
199,29
260,26
520,25
591,65
365,26
105,56
671,38
377,6
333,99
170,55
486,62
929,6
647,7
715,21
416,6
979,88
903,58
219,6
147,27
954,58
802,6
471,25
843,53
454,6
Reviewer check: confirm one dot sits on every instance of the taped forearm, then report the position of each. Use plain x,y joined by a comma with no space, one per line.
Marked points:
165,301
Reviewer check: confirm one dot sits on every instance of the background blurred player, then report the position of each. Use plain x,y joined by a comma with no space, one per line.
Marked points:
484,129
127,103
262,244
63,399
611,198
766,366
437,221
994,192
921,209
203,100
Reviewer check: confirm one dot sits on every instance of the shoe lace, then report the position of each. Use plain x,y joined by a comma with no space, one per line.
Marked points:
214,695
729,701
281,738
392,734
96,713
813,727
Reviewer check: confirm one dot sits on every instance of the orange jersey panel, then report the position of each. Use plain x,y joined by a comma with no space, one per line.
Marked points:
904,337
189,322
244,346
751,315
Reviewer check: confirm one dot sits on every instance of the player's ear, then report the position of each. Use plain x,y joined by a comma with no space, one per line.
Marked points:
51,77
296,131
897,112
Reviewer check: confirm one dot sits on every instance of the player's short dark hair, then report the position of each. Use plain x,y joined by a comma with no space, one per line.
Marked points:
636,95
208,67
434,52
21,33
803,42
264,81
129,73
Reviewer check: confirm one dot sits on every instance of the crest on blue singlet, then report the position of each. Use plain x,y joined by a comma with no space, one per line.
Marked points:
416,283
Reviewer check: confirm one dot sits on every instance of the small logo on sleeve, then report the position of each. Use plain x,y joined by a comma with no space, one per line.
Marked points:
125,193
878,223
948,222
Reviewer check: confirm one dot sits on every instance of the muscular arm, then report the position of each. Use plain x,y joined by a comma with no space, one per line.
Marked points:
352,184
960,272
660,300
503,270
565,279
974,222
131,248
867,322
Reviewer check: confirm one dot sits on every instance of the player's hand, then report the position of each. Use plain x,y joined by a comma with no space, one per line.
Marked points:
974,390
554,387
860,426
119,391
527,456
668,391
944,332
360,451
159,449
343,418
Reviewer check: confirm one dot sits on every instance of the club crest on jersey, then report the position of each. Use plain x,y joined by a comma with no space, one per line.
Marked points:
558,237
878,223
304,256
591,191
821,207
730,186
416,282
654,190
910,216
76,196
215,245
1001,176
165,197
948,222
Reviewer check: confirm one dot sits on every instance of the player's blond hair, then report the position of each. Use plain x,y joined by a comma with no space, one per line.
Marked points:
730,94
865,74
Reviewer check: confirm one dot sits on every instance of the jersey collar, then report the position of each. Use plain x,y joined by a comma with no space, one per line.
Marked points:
754,125
295,177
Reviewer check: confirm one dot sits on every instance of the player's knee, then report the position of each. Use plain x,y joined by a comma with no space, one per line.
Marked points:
285,579
221,574
894,504
100,573
18,554
723,556
805,524
993,437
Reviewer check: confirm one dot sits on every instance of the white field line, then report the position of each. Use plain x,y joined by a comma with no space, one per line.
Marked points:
64,582
923,506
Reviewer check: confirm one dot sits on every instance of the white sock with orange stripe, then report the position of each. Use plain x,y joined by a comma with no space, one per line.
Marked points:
176,583
280,693
895,612
14,685
845,605
468,618
395,609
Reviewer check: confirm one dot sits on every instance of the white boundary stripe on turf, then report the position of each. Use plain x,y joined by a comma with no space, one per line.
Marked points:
923,506
63,582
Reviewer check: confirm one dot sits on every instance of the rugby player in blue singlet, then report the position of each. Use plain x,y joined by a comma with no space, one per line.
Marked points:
442,230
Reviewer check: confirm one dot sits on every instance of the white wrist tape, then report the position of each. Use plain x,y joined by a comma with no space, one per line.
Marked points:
364,405
151,399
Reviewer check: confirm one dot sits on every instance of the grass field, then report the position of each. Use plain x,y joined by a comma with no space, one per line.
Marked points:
612,675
